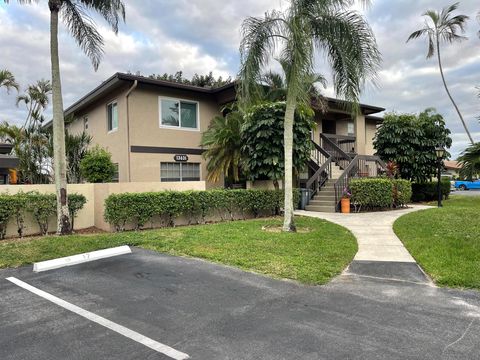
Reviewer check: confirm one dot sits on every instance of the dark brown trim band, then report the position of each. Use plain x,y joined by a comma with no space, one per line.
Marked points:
165,150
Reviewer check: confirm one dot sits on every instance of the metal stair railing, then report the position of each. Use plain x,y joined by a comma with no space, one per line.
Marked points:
340,157
362,166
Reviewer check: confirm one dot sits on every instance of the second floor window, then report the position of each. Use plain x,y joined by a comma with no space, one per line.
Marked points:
112,116
178,113
85,123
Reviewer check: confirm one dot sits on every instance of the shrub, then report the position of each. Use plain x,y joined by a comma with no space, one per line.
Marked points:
97,166
42,207
75,204
372,193
402,192
6,212
428,191
137,209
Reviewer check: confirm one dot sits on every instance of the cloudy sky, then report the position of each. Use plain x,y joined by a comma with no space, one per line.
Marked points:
203,35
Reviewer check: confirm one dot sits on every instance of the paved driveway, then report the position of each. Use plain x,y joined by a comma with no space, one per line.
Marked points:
168,306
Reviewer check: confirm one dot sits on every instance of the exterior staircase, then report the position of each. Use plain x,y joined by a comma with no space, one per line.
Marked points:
324,200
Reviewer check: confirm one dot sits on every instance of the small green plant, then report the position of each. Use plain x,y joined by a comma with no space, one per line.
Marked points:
428,191
75,204
97,166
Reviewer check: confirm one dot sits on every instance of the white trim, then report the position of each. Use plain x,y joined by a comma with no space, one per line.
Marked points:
118,120
80,258
179,127
119,329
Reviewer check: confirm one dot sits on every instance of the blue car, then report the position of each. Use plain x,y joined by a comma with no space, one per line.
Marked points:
467,185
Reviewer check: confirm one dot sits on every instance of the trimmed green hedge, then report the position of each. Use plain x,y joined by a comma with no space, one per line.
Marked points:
41,206
137,209
428,191
373,193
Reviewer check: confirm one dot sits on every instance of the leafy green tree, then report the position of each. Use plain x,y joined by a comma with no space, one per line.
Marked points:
7,80
222,143
82,27
262,138
293,36
97,166
470,162
207,80
440,28
409,141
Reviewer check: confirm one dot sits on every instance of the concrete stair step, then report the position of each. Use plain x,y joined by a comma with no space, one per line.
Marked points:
326,193
329,209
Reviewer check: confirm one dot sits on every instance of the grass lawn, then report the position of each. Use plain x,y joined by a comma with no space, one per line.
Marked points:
313,257
446,241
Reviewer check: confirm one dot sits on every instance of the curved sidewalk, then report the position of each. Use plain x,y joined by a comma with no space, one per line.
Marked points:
374,233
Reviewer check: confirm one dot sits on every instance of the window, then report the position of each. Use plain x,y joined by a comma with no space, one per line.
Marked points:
178,113
85,123
350,128
115,173
112,116
179,171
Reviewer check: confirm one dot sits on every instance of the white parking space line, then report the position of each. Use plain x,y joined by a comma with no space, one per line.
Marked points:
122,330
80,258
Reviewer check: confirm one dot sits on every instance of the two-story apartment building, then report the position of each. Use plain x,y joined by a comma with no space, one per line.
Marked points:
153,128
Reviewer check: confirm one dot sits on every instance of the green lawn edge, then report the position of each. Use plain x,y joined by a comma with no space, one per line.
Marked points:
312,258
445,241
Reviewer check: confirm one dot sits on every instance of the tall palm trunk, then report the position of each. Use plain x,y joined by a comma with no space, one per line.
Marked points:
288,222
59,159
449,95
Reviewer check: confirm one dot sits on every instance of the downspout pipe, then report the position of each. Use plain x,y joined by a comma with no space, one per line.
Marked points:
132,88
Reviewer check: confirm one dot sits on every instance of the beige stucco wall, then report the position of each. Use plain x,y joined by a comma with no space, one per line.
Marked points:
115,141
143,129
370,131
92,212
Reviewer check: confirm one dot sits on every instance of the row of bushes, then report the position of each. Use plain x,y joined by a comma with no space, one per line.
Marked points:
428,191
41,206
380,192
140,208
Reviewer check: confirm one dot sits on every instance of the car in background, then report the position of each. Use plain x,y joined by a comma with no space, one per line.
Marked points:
467,185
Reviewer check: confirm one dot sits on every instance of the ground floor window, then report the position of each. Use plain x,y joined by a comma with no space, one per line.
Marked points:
174,171
115,173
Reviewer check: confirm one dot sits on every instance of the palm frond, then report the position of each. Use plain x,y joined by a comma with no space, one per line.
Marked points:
351,49
112,10
82,29
259,41
7,80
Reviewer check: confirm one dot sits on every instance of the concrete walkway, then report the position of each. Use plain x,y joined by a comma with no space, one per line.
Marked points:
374,233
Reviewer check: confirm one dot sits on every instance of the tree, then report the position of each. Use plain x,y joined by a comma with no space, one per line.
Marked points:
7,80
30,145
222,143
36,99
82,28
470,162
262,138
97,166
76,147
443,27
197,80
293,36
409,141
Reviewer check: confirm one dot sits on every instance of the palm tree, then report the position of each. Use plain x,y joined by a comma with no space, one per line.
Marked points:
36,99
470,161
82,28
76,149
7,80
295,35
223,142
443,27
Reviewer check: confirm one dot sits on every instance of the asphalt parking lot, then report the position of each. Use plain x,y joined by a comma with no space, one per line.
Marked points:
151,306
